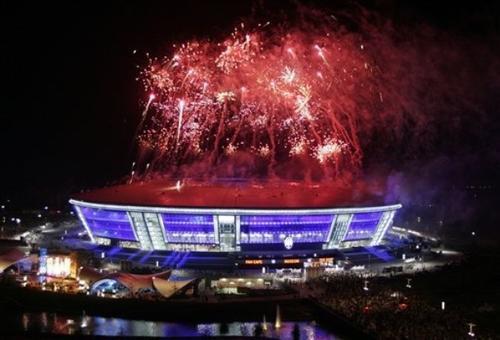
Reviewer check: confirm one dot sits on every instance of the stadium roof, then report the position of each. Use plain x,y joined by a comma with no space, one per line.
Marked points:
238,195
10,256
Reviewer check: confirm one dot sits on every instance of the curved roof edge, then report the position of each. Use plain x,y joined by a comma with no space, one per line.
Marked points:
167,288
11,256
233,211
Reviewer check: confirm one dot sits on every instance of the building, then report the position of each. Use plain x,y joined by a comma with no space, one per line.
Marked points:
235,216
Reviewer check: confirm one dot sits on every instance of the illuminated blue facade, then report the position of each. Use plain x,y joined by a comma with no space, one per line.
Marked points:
109,223
187,228
205,229
275,228
363,226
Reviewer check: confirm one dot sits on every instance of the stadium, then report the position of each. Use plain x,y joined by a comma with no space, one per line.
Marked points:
243,219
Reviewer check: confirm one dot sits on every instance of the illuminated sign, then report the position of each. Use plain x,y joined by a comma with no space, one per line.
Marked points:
326,261
288,242
291,261
59,266
253,262
320,262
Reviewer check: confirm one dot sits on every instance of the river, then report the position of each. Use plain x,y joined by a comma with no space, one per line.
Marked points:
54,323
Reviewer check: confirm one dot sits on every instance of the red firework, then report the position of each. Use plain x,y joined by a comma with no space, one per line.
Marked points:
270,98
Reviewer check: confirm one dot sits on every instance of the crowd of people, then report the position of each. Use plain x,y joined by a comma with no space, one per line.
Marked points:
379,308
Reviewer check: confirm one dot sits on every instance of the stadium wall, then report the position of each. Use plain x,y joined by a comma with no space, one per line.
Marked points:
232,230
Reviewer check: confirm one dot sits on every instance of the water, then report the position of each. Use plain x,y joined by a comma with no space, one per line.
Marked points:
94,325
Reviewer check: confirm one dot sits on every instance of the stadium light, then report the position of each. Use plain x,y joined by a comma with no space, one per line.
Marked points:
365,287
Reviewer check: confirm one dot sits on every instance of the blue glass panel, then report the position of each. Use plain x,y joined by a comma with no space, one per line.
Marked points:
363,226
187,228
275,228
109,223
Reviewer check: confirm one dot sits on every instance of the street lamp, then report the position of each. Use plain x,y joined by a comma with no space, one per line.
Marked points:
365,286
471,329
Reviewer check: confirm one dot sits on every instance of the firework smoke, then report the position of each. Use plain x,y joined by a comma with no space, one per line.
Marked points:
301,100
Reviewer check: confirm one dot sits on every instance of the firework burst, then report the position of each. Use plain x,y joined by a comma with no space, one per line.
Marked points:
304,93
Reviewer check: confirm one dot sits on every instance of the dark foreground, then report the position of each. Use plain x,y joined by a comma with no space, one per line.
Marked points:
179,315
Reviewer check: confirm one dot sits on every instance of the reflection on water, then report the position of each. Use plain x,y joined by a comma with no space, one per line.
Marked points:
93,325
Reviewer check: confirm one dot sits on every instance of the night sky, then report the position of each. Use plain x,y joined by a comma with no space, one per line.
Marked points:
70,102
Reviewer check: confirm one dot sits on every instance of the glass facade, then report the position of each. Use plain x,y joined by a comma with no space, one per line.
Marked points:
236,230
275,228
363,226
155,230
339,230
188,228
141,230
109,223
